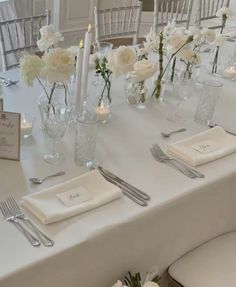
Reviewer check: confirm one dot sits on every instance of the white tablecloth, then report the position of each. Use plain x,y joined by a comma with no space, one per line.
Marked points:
99,247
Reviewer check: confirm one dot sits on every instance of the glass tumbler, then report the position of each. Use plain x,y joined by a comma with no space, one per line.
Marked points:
85,141
210,92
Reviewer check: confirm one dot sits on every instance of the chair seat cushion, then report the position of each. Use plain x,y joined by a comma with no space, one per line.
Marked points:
212,264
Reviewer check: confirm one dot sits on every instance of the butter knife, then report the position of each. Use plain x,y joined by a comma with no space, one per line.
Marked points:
123,184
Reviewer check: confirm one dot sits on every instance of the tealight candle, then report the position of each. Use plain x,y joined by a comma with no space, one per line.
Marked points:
26,126
102,113
230,72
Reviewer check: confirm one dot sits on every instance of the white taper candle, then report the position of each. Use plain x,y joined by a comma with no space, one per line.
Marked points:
78,81
85,69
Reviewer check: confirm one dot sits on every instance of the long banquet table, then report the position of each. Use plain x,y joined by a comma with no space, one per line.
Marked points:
100,246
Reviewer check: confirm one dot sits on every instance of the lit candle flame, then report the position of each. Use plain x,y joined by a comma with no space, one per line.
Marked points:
89,28
81,44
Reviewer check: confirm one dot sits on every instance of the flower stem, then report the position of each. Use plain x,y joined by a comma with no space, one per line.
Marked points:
173,70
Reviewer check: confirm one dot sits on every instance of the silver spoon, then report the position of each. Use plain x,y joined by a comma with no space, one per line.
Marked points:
37,180
167,135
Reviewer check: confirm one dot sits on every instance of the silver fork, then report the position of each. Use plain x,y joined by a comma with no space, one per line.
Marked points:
17,212
159,158
11,218
168,158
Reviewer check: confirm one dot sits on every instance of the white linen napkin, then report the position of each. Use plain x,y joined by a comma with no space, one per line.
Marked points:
204,147
86,192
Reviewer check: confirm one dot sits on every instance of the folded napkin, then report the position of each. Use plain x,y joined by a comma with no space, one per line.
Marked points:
204,147
75,196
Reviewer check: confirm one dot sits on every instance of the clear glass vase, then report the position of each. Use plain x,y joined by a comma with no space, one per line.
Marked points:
210,92
55,117
136,93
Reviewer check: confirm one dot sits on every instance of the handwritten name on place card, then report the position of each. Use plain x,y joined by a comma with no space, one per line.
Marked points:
206,146
74,196
9,135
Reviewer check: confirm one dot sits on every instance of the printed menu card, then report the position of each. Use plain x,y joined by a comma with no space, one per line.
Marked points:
9,135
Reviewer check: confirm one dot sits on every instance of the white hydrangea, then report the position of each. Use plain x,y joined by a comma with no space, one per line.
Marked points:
30,68
151,284
59,65
169,29
48,38
152,41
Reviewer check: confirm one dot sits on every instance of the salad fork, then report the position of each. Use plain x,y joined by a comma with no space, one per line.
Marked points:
12,219
17,212
168,158
156,154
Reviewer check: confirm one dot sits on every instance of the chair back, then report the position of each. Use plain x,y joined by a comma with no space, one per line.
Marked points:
117,22
171,10
208,9
19,36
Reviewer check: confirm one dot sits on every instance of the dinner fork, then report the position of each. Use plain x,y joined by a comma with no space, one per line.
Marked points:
12,219
168,158
17,212
8,82
156,154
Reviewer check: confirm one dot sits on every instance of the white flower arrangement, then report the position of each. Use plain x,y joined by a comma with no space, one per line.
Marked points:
56,65
134,280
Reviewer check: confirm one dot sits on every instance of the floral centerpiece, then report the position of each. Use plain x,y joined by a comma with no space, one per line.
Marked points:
224,13
52,71
143,69
135,280
171,39
55,66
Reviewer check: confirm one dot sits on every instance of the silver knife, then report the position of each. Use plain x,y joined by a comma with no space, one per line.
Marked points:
212,125
126,192
124,184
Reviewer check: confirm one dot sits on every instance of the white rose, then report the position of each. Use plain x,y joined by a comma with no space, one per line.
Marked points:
176,41
224,11
209,35
30,67
143,70
188,55
121,61
48,38
151,284
59,65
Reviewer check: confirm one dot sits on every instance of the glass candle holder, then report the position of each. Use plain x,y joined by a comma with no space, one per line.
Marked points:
26,125
210,92
85,141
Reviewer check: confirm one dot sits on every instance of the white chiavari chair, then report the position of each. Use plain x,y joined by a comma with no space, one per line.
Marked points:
210,264
118,22
18,36
207,10
171,10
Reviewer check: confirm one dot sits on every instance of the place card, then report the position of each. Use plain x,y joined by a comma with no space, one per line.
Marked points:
9,135
206,146
74,196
